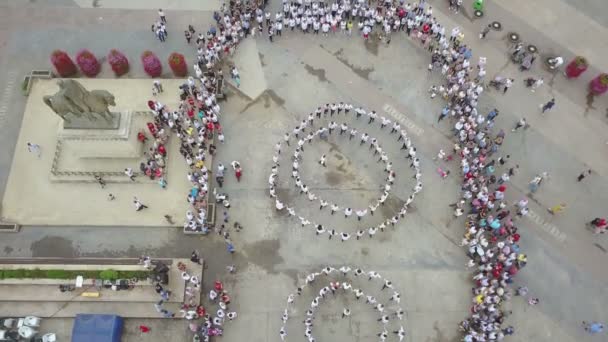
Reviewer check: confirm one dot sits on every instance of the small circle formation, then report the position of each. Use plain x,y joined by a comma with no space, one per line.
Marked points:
335,124
352,288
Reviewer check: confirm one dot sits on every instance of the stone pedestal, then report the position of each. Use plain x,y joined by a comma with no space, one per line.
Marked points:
83,153
94,122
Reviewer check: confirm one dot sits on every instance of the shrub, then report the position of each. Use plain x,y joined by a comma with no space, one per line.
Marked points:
72,274
88,63
152,65
581,61
133,274
14,274
119,62
108,275
603,79
56,274
63,64
177,62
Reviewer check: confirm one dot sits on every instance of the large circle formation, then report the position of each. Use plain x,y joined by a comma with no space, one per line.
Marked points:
306,132
389,312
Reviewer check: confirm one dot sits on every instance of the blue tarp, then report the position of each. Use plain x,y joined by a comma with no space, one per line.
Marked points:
97,328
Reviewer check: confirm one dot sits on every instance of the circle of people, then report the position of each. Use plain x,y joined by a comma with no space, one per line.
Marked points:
323,132
387,312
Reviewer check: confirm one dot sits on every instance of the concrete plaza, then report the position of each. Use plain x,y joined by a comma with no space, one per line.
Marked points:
286,80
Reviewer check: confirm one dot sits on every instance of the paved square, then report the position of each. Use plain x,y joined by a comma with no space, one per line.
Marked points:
282,82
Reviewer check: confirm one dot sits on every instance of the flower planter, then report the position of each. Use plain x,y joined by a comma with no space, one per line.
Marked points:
576,67
177,63
63,64
599,85
119,62
152,65
88,63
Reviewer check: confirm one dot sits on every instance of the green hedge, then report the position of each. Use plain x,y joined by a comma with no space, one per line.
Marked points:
71,274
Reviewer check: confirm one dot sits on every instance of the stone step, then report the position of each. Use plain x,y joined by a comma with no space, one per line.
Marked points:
71,309
51,293
82,154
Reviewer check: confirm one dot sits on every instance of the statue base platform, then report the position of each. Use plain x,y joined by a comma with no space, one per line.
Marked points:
86,123
81,154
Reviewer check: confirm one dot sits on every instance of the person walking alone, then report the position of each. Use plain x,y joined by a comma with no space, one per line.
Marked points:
485,31
582,175
138,205
34,148
593,327
548,106
557,208
234,73
521,123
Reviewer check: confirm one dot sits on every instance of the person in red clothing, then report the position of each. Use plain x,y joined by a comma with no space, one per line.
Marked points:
599,224
141,137
218,286
238,171
502,188
516,237
162,150
144,329
152,128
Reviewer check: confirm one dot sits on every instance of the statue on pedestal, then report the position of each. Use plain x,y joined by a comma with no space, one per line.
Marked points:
80,108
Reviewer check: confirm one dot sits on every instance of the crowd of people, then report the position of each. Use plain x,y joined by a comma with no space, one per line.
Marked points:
491,236
336,281
195,123
306,132
320,17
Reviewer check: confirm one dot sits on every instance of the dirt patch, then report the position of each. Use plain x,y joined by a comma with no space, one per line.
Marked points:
318,73
371,45
264,253
333,178
590,99
266,97
361,72
391,206
54,246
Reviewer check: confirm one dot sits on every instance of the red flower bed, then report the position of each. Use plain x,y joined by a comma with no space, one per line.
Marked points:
119,62
152,65
88,63
177,62
63,64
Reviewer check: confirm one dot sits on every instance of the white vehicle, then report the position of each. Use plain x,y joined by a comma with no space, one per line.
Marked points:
50,337
27,332
8,323
29,321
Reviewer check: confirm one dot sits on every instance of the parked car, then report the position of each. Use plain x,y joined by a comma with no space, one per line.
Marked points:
9,336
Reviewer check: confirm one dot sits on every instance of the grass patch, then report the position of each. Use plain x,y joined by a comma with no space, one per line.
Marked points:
108,274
